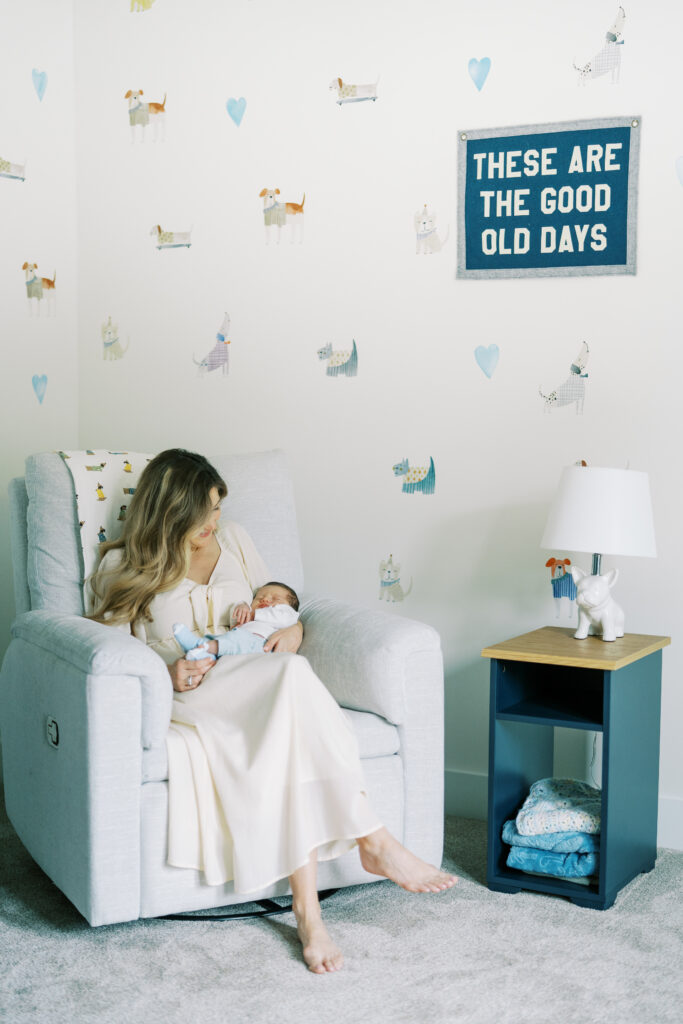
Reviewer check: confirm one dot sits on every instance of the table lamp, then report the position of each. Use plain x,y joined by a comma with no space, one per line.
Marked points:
604,512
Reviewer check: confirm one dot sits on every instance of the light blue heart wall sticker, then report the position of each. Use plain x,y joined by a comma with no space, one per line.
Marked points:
39,82
479,70
236,109
39,386
487,358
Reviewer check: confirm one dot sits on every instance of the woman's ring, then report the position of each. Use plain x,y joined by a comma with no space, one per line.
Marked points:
189,680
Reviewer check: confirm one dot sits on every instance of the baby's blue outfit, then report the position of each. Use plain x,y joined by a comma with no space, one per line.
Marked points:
194,649
239,641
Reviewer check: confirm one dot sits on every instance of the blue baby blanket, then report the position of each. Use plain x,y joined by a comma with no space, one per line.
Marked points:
554,842
559,865
560,805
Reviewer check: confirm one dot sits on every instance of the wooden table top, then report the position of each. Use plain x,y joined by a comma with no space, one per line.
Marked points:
555,645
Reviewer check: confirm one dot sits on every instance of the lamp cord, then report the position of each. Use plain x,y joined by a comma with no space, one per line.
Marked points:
592,764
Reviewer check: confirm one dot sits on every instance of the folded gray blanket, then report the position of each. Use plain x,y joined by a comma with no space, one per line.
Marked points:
560,805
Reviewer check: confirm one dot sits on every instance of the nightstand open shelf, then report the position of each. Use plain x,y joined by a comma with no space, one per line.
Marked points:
550,695
547,679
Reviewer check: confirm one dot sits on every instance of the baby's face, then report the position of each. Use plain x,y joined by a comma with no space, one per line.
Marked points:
266,597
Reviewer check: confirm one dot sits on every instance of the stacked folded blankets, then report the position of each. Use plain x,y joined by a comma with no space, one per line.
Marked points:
557,831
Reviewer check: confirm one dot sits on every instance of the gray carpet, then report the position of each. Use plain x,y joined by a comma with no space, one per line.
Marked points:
467,955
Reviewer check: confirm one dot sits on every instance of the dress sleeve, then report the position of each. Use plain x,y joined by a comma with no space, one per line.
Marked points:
238,541
107,564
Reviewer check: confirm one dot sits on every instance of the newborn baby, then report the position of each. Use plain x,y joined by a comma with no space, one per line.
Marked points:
274,606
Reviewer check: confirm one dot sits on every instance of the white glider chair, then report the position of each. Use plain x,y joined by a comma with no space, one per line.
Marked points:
84,709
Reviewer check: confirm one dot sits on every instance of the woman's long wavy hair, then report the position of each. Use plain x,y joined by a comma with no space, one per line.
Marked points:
170,504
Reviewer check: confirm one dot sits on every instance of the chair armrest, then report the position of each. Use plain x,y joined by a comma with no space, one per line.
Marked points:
98,650
78,702
368,659
392,666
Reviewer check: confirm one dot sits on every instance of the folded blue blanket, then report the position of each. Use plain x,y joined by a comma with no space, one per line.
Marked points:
555,842
559,865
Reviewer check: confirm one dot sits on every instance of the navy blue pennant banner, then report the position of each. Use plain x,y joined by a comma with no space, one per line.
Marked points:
548,200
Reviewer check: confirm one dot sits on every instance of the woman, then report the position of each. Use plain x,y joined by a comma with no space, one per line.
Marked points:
264,773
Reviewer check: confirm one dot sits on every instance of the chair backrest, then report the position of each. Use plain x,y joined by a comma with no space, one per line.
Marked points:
46,548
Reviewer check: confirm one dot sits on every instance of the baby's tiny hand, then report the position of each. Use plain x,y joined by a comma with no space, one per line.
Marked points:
212,647
241,613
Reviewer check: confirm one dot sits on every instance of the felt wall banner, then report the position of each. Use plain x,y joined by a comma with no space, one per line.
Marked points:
548,200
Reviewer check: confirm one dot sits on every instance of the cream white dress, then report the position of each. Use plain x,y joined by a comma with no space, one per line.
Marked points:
263,765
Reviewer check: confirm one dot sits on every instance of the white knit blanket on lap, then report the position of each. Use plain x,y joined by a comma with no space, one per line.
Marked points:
560,805
104,483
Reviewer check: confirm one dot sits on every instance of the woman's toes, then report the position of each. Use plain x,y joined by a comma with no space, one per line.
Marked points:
321,954
323,965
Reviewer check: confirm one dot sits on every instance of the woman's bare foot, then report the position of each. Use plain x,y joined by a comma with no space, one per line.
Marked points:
321,954
382,854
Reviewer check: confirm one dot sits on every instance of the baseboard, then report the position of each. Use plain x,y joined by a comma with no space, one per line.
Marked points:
670,822
466,796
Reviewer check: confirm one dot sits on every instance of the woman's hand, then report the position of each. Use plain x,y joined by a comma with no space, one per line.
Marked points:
286,640
187,675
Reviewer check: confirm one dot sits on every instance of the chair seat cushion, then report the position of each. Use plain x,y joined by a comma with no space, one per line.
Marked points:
376,737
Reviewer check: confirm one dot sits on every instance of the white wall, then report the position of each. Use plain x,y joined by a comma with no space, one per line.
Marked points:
472,548
38,225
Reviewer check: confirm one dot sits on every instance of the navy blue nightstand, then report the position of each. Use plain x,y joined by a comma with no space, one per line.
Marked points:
547,678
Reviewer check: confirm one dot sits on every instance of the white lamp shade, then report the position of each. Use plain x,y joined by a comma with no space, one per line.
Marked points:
607,511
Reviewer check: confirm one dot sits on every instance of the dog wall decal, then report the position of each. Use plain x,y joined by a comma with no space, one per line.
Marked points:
573,391
277,214
111,345
608,59
427,239
218,357
562,583
348,93
39,288
340,364
390,588
142,115
171,239
10,170
420,479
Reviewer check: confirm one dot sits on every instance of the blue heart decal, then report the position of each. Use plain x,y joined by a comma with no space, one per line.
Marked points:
487,358
39,386
479,70
679,168
39,82
236,109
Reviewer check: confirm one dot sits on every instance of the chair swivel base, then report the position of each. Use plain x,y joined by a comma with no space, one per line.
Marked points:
268,909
